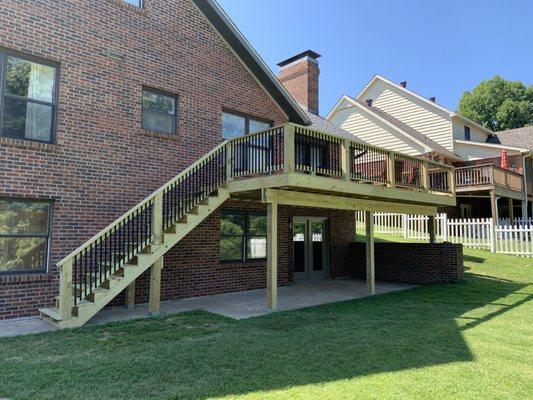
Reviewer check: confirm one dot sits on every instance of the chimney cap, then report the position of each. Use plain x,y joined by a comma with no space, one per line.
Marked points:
308,53
403,84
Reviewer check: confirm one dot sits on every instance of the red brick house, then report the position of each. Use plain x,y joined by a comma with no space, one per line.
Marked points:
103,103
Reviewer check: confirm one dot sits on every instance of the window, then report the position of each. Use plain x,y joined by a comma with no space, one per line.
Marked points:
159,111
235,124
467,132
136,3
29,98
24,235
243,236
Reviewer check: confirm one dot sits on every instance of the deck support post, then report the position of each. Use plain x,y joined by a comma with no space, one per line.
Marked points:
130,296
346,160
272,256
511,210
370,265
494,207
289,146
155,287
431,228
524,209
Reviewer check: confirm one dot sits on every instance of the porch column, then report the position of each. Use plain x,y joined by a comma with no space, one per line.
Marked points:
511,210
370,267
155,287
272,256
431,228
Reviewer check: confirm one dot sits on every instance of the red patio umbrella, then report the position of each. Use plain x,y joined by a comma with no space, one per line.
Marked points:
504,160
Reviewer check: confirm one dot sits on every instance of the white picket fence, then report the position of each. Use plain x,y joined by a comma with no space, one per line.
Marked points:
480,233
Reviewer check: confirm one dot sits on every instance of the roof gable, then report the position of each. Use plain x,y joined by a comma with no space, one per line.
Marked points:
251,59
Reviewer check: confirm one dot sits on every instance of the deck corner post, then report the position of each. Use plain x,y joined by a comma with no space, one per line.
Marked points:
66,294
130,296
155,288
289,147
370,262
272,256
425,176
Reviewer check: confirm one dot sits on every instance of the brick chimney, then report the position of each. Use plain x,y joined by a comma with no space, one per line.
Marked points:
299,74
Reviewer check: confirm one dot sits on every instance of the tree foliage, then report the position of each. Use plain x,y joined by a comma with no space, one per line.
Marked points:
499,104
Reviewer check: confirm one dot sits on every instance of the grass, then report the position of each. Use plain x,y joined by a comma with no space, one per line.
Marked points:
468,340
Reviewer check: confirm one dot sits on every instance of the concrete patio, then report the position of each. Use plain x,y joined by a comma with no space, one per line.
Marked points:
238,305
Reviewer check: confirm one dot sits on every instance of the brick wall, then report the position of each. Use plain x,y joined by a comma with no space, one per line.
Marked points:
103,162
419,263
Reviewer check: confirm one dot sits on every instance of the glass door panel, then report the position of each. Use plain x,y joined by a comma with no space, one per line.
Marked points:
298,240
317,238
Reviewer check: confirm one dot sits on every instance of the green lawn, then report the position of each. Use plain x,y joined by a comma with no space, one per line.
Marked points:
469,340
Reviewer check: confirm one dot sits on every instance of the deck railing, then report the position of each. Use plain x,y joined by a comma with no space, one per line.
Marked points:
489,174
293,148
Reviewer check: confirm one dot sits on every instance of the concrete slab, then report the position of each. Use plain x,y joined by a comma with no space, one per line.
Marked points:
238,305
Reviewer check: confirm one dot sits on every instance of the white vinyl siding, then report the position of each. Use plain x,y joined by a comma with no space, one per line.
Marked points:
374,132
434,123
475,134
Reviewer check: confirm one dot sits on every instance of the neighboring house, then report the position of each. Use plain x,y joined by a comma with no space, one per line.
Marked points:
131,172
389,115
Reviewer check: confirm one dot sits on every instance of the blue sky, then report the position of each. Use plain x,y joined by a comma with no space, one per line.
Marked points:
442,48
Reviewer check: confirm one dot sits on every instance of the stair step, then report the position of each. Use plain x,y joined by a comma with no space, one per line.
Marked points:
50,314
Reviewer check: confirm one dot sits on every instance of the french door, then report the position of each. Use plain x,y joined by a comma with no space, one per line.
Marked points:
310,258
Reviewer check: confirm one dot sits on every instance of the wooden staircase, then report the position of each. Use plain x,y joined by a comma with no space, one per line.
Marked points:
96,272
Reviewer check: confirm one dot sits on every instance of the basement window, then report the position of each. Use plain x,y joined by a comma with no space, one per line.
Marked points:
24,235
243,236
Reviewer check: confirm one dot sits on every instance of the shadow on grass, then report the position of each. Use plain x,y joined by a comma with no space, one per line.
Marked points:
201,355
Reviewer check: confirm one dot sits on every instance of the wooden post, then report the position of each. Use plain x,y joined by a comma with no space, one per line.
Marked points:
66,297
524,209
346,160
391,169
370,267
272,256
431,228
425,176
157,219
452,180
494,207
130,296
289,149
229,162
511,210
155,287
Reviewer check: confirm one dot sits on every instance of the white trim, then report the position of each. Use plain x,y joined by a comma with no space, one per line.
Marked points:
492,145
298,61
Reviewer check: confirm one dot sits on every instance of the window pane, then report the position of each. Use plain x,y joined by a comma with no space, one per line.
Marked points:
257,225
231,248
256,126
26,120
232,224
158,122
29,79
257,247
20,217
21,254
233,125
153,101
